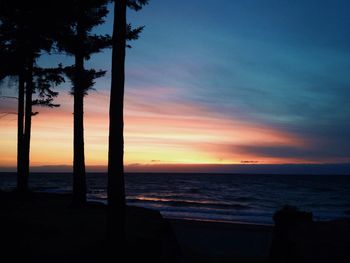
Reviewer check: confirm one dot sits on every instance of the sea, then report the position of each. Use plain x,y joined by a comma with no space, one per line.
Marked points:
245,198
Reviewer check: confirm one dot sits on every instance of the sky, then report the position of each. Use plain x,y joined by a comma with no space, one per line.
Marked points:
212,83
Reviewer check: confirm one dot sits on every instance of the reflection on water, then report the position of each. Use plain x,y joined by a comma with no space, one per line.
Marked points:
247,198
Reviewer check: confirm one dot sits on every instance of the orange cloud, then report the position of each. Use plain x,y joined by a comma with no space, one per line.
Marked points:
157,127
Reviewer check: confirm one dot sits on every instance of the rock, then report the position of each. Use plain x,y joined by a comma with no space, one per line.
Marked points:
297,238
287,220
151,236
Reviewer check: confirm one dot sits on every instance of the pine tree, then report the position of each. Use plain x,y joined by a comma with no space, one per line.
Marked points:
77,40
12,64
25,31
122,31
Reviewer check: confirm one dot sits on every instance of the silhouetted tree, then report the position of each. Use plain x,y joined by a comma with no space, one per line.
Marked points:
44,80
12,64
122,31
38,81
25,31
78,40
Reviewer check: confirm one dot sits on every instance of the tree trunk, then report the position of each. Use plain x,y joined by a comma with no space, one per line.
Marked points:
79,177
20,118
28,124
116,191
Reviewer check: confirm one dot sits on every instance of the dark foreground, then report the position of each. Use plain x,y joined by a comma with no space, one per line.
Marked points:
46,228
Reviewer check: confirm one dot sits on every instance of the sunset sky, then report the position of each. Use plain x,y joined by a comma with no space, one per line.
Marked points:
212,82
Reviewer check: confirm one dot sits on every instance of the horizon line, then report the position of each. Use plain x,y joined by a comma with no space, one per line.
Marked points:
246,168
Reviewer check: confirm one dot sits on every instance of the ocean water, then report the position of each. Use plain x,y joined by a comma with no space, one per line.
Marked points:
219,197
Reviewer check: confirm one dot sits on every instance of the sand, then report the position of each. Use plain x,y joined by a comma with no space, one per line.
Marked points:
46,228
223,242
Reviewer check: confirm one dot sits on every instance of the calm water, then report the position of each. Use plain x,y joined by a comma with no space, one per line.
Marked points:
223,197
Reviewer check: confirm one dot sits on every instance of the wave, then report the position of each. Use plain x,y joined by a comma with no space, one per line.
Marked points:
184,202
244,199
225,197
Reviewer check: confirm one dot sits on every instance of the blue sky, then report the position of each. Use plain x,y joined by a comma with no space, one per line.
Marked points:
284,63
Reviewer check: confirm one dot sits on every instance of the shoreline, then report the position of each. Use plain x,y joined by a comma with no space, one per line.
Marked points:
229,198
242,223
42,224
208,241
48,222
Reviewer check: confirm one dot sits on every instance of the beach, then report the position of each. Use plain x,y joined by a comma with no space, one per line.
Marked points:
46,227
182,217
207,241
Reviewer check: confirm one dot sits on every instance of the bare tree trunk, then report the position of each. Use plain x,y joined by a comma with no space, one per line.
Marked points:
20,118
28,125
116,190
79,176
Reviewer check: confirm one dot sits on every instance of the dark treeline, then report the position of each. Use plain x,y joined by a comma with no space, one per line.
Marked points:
30,29
23,38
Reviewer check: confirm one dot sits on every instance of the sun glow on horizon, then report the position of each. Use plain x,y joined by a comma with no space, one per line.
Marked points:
157,131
